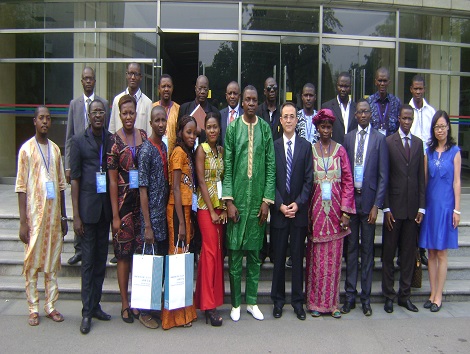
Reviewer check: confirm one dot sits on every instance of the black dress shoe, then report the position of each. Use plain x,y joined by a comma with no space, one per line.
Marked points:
277,312
388,307
85,325
101,315
435,308
348,306
113,260
300,312
289,262
366,309
77,257
427,304
408,305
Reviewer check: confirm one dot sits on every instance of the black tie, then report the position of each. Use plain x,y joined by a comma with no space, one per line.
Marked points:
407,148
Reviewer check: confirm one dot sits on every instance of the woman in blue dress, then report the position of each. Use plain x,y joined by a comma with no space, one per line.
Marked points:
439,228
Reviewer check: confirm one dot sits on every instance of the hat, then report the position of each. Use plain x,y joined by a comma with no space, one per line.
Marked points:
324,114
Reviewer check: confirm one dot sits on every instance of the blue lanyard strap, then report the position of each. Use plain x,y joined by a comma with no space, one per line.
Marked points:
101,149
48,163
132,148
325,166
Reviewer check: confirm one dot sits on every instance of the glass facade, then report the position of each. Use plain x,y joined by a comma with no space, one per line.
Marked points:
45,46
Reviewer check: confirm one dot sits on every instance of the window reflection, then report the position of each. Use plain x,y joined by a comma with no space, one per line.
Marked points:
360,23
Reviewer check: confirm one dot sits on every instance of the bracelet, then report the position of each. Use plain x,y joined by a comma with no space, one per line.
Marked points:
63,218
457,212
346,216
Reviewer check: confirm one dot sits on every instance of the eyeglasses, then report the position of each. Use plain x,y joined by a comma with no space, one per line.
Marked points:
287,118
364,111
97,113
440,127
271,87
130,74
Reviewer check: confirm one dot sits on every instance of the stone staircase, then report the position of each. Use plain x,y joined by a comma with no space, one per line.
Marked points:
457,286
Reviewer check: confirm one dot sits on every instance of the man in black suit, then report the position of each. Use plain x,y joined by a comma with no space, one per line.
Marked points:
368,156
91,209
77,122
294,178
403,209
343,108
233,110
269,110
202,90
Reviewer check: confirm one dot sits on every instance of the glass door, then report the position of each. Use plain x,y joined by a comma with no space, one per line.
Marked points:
361,60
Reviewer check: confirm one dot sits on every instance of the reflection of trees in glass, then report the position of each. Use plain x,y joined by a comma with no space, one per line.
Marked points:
223,70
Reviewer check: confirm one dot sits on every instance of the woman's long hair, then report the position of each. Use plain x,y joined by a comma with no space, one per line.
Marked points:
433,143
179,142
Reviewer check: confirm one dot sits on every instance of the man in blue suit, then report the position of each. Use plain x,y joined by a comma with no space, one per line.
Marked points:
368,156
233,110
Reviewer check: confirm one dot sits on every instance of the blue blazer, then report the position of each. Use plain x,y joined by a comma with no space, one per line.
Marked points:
375,181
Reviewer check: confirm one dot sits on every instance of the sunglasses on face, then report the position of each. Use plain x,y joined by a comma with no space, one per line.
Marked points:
271,87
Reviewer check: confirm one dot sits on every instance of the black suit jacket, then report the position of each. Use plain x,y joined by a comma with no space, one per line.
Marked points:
84,163
338,126
188,107
375,180
300,183
276,128
224,116
406,191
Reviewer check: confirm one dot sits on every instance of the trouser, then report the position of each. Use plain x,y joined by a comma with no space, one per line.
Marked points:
51,290
403,236
94,253
253,265
77,244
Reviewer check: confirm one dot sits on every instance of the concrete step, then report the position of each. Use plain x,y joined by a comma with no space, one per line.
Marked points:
12,287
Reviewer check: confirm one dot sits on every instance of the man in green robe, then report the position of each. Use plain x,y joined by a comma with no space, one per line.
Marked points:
249,189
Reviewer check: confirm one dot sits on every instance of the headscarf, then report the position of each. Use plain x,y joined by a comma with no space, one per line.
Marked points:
324,114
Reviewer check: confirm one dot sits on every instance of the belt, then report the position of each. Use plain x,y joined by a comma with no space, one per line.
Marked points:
358,190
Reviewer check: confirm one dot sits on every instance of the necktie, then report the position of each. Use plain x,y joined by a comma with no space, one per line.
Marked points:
360,148
407,148
289,165
232,115
88,101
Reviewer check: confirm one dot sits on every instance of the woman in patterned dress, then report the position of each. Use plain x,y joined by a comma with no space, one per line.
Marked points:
332,202
210,217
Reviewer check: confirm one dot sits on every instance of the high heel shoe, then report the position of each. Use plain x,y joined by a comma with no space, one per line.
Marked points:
214,317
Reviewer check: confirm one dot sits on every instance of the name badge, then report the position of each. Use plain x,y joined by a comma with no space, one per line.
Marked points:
194,204
133,179
100,182
326,191
50,190
358,176
383,131
219,189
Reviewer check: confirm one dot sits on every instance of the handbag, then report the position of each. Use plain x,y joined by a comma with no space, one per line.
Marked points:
417,278
179,275
147,275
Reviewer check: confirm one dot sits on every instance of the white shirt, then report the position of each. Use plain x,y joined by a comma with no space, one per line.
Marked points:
142,120
366,143
285,144
422,121
345,114
85,112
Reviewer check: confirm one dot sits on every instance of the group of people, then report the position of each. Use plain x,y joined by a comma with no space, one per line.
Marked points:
164,182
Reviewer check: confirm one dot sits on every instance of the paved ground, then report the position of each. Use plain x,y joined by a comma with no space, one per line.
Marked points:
400,332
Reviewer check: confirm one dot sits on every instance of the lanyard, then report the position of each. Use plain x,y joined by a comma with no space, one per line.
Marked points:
164,158
169,109
101,149
132,148
383,116
48,163
325,166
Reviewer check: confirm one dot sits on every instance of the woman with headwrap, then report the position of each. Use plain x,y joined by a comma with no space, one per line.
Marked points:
332,202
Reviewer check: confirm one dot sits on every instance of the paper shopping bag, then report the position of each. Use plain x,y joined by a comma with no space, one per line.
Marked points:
147,273
179,274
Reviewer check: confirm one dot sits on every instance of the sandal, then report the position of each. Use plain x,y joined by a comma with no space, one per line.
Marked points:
148,322
136,315
315,313
33,319
55,316
336,314
129,318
